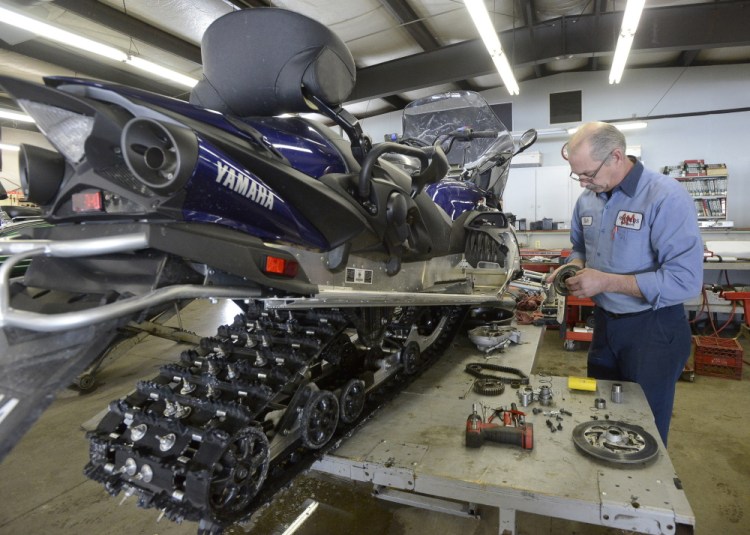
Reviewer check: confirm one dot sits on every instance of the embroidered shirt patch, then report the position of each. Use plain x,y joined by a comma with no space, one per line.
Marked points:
631,220
587,221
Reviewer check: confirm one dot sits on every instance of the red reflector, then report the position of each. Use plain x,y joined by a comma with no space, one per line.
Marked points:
281,266
88,201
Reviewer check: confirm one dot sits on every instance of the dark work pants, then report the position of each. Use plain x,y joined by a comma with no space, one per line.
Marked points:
650,349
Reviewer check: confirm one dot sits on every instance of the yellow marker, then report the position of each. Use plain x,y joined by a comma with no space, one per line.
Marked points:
581,383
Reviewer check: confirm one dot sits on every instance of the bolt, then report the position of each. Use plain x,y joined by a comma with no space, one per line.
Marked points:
559,427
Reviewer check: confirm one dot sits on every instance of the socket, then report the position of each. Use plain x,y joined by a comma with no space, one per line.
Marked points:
538,244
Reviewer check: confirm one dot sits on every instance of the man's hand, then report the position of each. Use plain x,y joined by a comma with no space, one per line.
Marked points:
590,282
551,276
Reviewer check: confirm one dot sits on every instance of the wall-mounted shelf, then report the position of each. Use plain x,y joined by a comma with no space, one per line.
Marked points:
706,183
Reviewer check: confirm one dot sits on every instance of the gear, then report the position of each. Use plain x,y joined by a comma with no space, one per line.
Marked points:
489,387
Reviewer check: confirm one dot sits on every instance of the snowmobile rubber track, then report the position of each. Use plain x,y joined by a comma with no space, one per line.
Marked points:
214,436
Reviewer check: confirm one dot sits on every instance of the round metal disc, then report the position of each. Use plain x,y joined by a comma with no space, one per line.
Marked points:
564,274
616,442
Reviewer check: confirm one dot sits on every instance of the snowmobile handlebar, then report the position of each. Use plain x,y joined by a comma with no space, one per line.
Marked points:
434,165
465,134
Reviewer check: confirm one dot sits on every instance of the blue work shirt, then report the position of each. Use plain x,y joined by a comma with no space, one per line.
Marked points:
648,227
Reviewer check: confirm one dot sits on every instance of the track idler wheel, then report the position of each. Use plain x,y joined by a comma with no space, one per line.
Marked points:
239,474
319,419
352,400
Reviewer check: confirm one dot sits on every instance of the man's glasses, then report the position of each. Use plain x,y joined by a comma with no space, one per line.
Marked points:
590,177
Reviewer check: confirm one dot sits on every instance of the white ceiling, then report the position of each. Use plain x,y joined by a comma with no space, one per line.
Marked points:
403,49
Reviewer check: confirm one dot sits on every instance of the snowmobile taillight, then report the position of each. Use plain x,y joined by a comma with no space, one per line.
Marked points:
66,130
88,201
281,266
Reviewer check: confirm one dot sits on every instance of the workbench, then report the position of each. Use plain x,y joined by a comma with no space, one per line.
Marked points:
412,451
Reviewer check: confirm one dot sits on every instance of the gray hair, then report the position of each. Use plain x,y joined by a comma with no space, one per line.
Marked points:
603,138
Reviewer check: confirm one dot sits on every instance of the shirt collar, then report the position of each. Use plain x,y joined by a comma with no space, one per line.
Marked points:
630,183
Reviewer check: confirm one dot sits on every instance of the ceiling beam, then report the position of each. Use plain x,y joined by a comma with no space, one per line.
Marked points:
244,4
84,66
722,24
17,125
409,21
121,22
687,58
396,101
527,13
8,103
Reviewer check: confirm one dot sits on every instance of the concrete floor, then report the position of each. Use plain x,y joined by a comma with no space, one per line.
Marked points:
44,491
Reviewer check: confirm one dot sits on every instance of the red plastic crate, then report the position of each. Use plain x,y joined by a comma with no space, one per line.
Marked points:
718,357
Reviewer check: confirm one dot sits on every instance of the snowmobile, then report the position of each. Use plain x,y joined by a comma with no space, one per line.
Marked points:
350,270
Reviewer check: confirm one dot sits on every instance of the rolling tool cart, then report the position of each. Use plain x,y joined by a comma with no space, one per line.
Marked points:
572,313
744,297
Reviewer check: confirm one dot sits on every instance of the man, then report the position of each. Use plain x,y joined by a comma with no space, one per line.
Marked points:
635,235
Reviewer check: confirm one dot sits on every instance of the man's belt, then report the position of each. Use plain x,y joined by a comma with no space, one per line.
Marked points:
615,316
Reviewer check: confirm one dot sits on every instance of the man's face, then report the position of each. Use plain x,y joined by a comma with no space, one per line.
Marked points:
593,175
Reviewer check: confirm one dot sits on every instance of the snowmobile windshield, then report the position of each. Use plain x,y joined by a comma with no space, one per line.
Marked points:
430,118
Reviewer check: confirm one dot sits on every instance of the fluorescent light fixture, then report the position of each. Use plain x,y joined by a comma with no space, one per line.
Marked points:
15,116
630,19
635,125
160,71
542,132
5,146
481,18
53,33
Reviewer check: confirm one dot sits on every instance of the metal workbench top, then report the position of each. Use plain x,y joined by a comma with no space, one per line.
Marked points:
416,444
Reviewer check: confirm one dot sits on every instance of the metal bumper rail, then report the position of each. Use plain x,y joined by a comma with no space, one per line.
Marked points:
19,250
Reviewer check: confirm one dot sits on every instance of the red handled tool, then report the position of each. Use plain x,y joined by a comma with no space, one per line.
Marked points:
518,434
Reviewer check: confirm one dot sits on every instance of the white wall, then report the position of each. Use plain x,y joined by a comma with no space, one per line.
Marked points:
718,138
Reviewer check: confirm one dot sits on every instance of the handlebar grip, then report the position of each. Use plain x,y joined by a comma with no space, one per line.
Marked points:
484,133
515,436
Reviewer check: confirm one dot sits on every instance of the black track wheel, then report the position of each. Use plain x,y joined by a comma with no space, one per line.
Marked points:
239,474
410,357
319,419
352,400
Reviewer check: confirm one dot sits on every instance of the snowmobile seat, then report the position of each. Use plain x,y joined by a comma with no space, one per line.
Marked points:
265,61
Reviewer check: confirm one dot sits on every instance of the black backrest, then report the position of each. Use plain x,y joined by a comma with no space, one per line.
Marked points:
256,62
